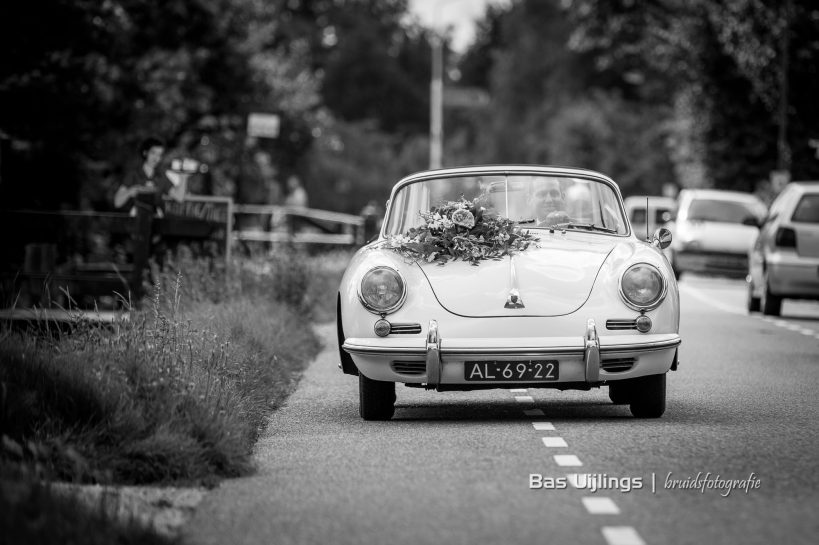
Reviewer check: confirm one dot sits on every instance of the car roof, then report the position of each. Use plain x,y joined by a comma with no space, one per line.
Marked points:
654,201
718,194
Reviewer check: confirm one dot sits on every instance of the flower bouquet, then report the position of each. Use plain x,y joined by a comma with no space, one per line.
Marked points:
462,230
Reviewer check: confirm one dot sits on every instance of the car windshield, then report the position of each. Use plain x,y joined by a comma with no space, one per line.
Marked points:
534,201
725,211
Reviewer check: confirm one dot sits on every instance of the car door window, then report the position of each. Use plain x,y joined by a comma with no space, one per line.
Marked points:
807,210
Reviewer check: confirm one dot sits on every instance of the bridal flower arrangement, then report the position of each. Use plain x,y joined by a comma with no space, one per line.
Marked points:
462,230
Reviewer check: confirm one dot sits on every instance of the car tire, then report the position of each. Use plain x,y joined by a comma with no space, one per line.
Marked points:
770,304
619,392
648,396
376,398
753,303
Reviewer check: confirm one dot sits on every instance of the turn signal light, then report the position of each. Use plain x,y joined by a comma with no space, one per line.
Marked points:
785,237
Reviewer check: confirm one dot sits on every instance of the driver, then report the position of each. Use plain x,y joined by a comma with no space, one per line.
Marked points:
550,204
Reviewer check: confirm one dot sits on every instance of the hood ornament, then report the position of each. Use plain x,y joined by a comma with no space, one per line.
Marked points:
514,300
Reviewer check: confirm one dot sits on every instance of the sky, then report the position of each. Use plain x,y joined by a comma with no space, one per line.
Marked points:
460,14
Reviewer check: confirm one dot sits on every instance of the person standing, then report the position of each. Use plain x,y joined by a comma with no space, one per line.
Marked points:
148,179
296,194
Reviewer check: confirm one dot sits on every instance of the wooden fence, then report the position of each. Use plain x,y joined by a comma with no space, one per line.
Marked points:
47,255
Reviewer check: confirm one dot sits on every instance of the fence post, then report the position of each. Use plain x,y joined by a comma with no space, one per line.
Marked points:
144,204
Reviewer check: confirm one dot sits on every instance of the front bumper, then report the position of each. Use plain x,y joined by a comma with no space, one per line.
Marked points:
731,264
584,360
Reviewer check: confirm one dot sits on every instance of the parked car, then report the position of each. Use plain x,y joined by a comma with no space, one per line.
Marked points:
713,230
784,258
645,221
509,277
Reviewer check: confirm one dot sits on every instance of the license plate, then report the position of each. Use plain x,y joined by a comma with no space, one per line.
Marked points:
513,371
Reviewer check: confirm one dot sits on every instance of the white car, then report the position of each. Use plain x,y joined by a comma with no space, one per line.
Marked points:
783,262
713,230
509,277
644,221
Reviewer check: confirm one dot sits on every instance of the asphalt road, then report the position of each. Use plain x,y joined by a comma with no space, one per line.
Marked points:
457,467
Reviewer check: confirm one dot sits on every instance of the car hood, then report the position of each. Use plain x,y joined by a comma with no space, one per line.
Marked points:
710,236
554,279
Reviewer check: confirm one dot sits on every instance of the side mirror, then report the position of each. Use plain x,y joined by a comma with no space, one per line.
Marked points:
661,238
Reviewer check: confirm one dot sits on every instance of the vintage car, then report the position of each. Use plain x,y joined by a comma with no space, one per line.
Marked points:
509,276
783,262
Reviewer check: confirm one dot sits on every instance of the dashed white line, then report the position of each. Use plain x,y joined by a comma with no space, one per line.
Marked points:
600,506
622,535
554,442
524,399
518,390
533,412
543,426
567,460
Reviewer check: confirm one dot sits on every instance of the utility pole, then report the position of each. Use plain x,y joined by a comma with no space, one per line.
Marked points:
783,155
436,103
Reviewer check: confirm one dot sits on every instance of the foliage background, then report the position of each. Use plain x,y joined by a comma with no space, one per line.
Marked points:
691,93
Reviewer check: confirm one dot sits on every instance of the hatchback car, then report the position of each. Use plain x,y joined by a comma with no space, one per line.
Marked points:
713,230
644,221
784,259
509,277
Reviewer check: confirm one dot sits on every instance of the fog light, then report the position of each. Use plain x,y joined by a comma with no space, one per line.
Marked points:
382,327
643,323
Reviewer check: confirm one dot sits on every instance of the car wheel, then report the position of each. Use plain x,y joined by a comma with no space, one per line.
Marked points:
619,392
648,396
771,304
376,398
752,302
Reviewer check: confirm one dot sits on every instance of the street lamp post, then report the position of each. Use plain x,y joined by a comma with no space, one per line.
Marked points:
436,104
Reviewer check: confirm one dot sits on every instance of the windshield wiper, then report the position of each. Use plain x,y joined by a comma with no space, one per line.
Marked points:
589,226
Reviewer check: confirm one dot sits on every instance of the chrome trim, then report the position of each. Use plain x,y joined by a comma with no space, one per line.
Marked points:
405,329
621,324
433,355
655,304
514,300
389,309
591,355
555,351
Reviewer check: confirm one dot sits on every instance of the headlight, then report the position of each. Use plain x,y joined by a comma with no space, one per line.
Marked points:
383,290
643,286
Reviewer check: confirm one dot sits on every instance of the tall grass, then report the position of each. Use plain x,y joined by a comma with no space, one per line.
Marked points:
177,393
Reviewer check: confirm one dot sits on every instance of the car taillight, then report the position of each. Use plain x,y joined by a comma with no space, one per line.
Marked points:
785,237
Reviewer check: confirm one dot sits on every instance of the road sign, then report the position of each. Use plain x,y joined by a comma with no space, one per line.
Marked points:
465,97
263,125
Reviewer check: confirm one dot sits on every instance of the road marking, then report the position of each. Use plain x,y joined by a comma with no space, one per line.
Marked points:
622,535
534,412
518,390
543,426
600,506
567,460
695,293
524,399
554,442
796,328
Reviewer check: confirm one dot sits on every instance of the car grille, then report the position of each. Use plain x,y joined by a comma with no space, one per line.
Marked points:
621,324
405,328
406,367
617,365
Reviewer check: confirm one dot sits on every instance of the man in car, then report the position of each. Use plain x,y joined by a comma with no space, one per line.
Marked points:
550,204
